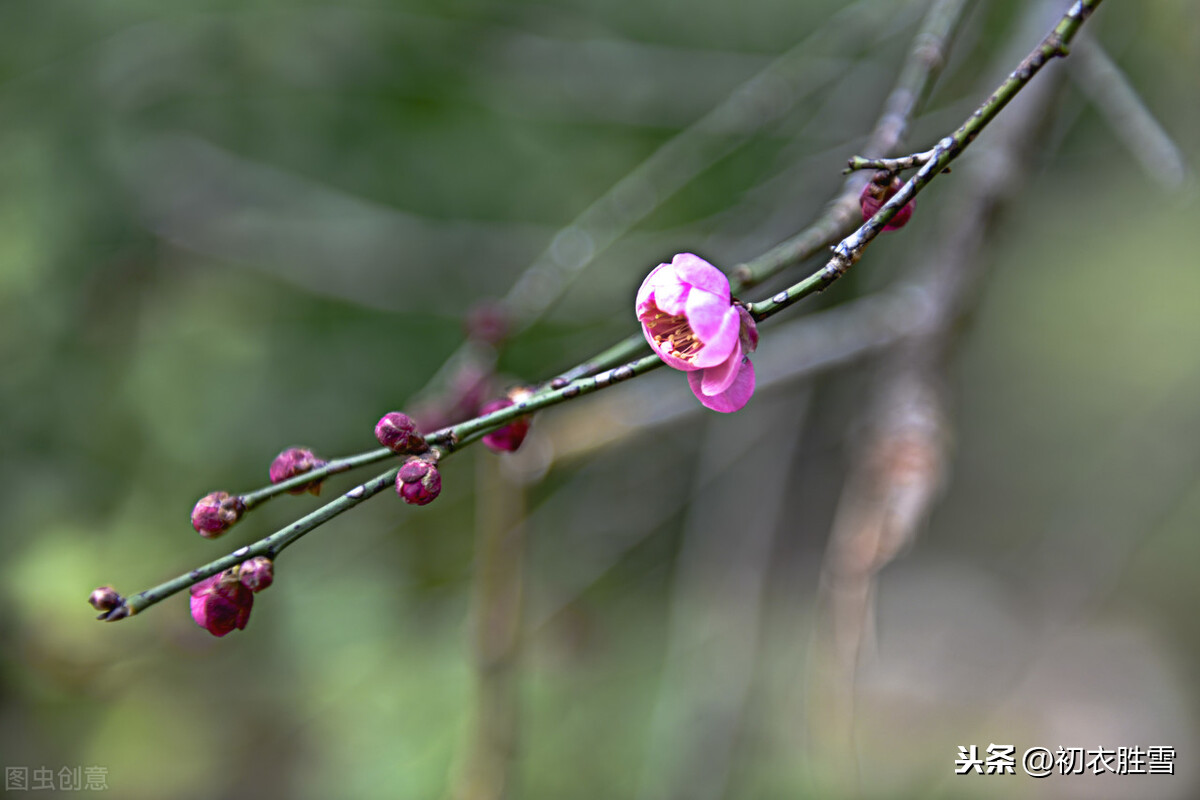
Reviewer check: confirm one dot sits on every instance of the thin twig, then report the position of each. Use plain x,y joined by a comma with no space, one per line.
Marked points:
269,546
851,249
888,164
260,496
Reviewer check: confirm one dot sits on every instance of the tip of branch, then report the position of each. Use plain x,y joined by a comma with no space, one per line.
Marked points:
120,612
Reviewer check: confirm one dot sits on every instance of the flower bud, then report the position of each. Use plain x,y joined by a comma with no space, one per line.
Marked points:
508,438
221,603
215,513
879,190
257,573
105,599
748,331
398,433
296,461
418,481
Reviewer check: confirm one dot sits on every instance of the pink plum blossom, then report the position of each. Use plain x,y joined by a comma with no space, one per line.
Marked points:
691,321
221,603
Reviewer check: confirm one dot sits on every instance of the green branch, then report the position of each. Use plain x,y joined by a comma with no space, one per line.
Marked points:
304,479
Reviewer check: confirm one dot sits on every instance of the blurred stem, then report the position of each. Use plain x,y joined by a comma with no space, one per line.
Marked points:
897,471
486,769
1134,124
713,636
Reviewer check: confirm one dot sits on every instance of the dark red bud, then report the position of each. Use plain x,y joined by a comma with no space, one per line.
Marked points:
508,438
418,481
221,603
215,513
105,599
879,190
398,433
296,461
257,573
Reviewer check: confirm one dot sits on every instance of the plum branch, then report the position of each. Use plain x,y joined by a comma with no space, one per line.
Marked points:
620,363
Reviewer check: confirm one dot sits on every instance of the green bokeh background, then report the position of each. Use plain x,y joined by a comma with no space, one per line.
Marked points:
227,228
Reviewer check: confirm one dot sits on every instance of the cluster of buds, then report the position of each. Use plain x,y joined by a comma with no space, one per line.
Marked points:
216,513
296,461
398,432
223,602
881,188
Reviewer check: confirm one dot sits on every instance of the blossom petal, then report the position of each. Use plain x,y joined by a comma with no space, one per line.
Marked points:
664,289
699,274
733,398
715,380
716,326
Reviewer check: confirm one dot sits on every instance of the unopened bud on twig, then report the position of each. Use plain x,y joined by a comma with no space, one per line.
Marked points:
508,438
221,603
397,432
215,513
418,481
296,461
105,598
257,573
881,188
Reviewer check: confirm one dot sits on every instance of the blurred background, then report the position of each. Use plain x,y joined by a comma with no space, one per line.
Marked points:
945,518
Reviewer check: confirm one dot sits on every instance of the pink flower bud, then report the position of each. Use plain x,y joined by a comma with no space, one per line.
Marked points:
105,599
879,190
508,438
221,603
257,573
296,461
398,433
418,481
215,513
